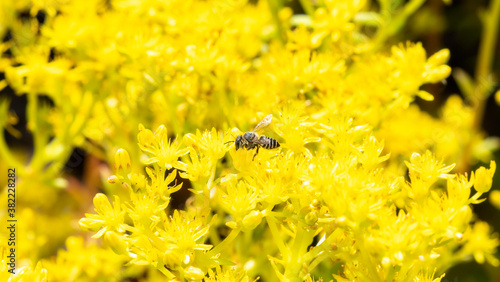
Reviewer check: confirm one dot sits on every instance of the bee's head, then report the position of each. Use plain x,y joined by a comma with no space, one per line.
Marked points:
237,142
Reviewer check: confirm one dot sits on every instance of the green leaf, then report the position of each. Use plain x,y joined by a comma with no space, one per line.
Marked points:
368,18
465,82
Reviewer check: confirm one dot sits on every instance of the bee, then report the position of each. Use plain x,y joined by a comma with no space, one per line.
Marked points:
251,139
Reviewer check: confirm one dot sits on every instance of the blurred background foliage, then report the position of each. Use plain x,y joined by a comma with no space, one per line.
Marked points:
458,27
80,159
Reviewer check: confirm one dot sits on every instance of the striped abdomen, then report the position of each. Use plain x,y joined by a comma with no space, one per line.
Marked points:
268,143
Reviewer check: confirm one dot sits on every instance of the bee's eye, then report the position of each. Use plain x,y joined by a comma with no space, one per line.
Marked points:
237,142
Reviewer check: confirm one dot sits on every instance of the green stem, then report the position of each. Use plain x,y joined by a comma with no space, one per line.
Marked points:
155,241
206,191
271,222
303,238
229,239
165,272
395,25
174,119
213,235
320,253
308,7
483,70
317,260
485,60
365,256
8,157
488,41
67,141
275,6
211,178
31,115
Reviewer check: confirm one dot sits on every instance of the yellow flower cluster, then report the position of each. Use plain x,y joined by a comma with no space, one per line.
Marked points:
337,202
363,187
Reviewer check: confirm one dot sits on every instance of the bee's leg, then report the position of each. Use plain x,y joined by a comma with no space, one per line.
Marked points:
256,152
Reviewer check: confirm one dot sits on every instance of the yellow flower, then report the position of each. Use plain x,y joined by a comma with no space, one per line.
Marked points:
108,217
459,189
484,178
435,68
370,156
427,276
300,39
427,168
160,147
37,75
330,198
295,129
238,199
146,209
211,143
185,234
481,243
198,166
28,273
228,274
335,19
81,260
412,70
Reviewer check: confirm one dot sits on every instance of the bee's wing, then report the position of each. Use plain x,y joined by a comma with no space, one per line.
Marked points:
263,123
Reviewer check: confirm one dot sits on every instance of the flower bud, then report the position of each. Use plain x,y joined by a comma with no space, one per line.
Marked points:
484,178
60,183
101,202
112,179
160,132
288,210
252,220
305,210
311,218
193,273
495,198
415,157
190,139
437,74
232,224
145,136
315,203
90,224
116,242
122,161
285,14
172,258
320,13
439,58
399,256
425,95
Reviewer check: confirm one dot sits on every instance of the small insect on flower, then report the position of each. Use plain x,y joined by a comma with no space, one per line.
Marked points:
251,139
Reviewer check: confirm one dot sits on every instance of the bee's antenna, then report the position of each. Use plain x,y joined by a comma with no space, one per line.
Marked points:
230,140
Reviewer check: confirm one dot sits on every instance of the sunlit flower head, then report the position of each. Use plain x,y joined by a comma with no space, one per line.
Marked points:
160,147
